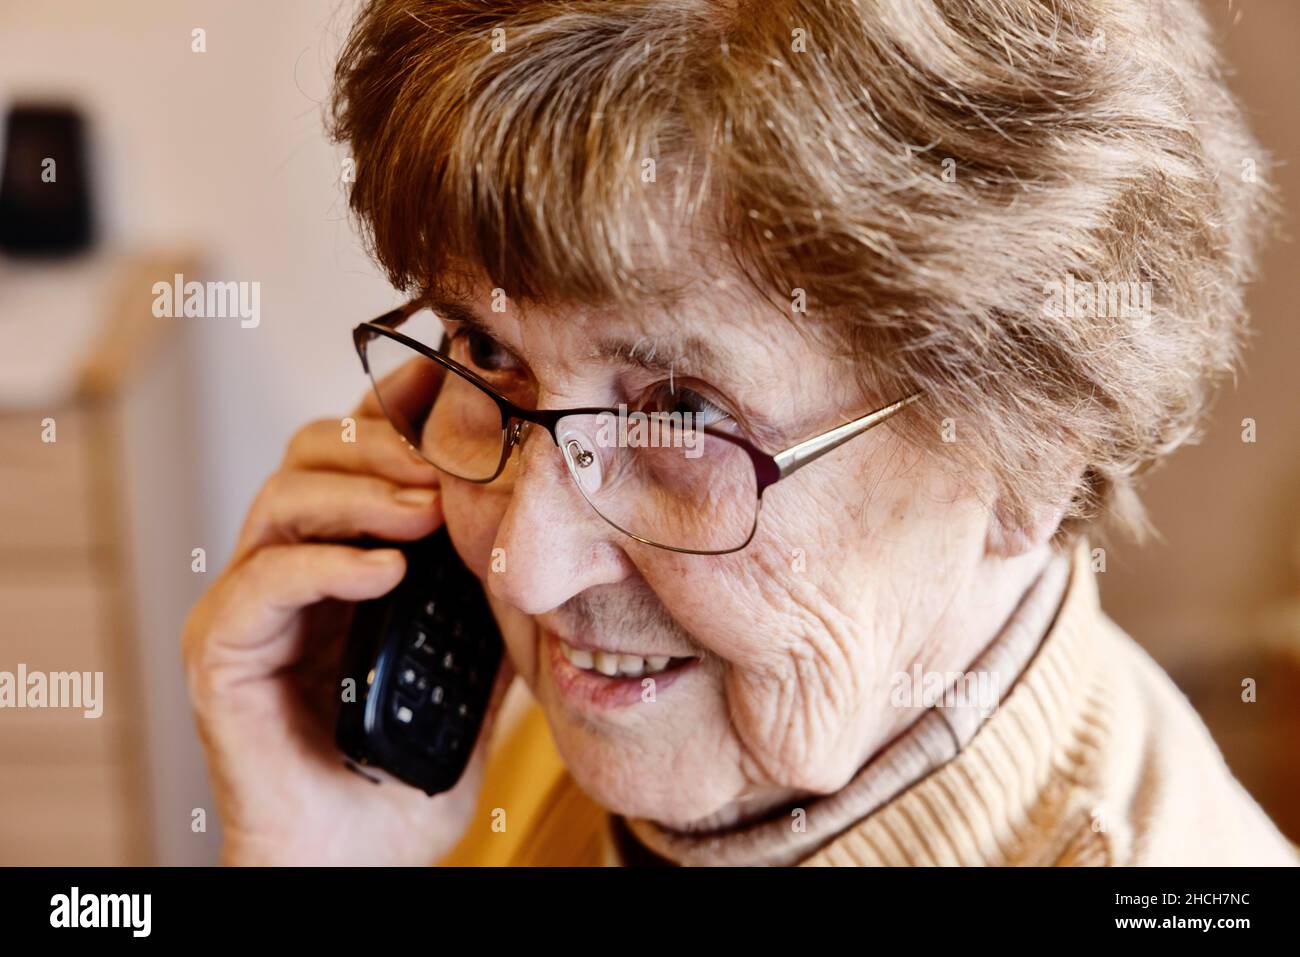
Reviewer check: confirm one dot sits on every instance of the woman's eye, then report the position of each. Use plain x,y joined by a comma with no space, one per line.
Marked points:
685,402
486,354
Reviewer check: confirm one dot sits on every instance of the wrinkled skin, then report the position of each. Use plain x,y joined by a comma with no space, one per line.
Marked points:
871,559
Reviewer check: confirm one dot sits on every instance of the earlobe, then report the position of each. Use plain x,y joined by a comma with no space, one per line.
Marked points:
1010,534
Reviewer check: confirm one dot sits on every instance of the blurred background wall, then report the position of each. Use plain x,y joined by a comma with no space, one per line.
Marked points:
217,155
217,160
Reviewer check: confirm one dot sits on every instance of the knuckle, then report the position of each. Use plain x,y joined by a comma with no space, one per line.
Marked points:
196,647
252,575
272,490
305,437
260,511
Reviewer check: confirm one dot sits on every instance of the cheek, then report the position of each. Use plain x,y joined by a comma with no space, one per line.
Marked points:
802,713
473,513
805,629
790,657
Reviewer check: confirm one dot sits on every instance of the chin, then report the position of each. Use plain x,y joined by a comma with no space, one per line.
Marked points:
631,741
638,782
665,771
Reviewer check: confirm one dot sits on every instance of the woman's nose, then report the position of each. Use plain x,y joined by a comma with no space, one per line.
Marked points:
553,544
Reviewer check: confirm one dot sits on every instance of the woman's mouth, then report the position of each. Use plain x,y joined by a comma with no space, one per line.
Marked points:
618,665
604,679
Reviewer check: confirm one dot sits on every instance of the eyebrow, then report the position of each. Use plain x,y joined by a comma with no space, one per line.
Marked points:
657,354
666,355
660,354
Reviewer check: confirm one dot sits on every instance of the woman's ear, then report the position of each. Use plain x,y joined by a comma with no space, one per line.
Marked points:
1010,534
1016,528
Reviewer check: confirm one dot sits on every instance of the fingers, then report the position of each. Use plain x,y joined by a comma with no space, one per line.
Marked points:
374,449
241,630
303,506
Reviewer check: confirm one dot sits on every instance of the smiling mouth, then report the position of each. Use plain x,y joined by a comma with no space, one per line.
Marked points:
613,665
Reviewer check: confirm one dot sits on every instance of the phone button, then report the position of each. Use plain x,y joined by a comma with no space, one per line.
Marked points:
452,739
403,713
412,677
421,642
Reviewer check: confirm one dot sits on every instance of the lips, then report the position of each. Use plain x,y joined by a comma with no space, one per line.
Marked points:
603,679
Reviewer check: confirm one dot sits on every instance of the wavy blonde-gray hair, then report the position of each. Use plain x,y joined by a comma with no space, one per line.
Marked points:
929,172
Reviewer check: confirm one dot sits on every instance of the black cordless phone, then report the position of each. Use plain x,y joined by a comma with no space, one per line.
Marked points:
422,661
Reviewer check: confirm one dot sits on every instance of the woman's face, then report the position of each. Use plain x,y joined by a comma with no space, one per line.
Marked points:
864,563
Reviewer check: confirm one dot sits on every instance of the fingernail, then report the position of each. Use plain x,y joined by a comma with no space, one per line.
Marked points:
382,556
421,497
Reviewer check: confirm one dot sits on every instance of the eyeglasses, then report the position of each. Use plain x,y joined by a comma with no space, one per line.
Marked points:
660,477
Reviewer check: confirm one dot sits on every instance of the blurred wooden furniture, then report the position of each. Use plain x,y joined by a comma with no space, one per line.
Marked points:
73,790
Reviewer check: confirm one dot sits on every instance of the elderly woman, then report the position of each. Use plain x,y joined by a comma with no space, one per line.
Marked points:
932,281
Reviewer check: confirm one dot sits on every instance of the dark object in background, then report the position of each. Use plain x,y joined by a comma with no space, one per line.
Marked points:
45,191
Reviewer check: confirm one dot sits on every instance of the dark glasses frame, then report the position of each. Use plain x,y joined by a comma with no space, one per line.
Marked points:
768,468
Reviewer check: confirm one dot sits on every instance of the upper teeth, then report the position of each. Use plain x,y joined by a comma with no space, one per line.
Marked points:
608,664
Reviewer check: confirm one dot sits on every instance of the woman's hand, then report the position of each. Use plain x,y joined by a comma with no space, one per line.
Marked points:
262,651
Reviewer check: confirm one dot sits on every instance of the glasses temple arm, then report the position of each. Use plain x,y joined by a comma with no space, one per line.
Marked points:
797,456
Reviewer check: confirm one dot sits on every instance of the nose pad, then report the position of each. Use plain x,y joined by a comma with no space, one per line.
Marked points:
583,462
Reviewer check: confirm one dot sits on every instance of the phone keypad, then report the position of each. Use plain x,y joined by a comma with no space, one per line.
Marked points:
432,650
440,689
